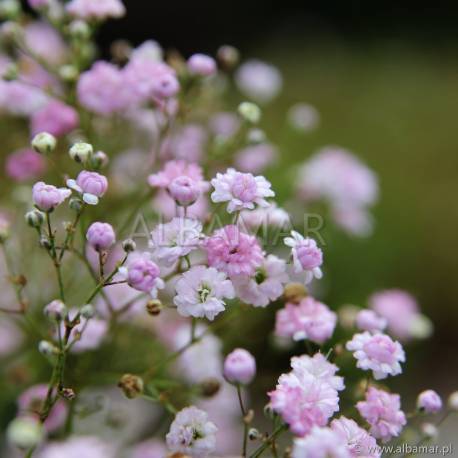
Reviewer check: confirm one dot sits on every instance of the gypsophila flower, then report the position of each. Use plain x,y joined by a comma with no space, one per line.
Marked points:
233,252
266,285
271,216
378,353
307,257
383,412
47,197
101,236
25,164
78,447
239,367
368,320
309,319
201,292
184,191
429,402
56,118
202,65
175,239
321,443
96,9
91,185
191,433
240,190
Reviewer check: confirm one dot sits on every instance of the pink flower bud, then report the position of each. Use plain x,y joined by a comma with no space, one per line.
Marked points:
184,190
143,274
429,402
240,367
100,236
368,320
202,65
165,86
25,164
92,183
46,197
55,310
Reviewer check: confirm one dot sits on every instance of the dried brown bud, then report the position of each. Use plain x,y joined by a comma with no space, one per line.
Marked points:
154,307
68,393
294,292
210,387
249,417
131,385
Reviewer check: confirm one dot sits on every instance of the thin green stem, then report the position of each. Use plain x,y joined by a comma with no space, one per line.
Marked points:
262,448
53,255
244,419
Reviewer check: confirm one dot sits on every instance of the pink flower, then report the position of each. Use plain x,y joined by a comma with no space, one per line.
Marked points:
304,401
78,447
142,274
399,308
184,191
255,158
224,124
307,257
240,190
368,320
21,99
309,319
239,367
358,440
101,236
175,169
31,402
91,184
24,165
271,216
259,80
201,292
377,353
266,285
202,65
45,42
47,197
175,239
383,413
429,402
233,251
321,443
186,144
56,118
96,9
103,90
191,433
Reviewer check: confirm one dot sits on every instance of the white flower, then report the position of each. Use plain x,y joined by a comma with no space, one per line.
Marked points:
175,239
200,292
378,353
321,443
241,190
266,285
266,216
191,433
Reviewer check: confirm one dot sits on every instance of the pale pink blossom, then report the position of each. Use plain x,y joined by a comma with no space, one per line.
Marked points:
202,65
240,190
30,402
187,143
307,256
359,442
96,9
45,42
184,191
56,118
47,197
378,353
201,292
255,158
303,117
368,320
266,285
239,367
150,448
91,185
321,443
233,252
259,80
21,99
103,90
173,240
383,412
429,402
25,164
78,447
224,124
166,206
309,319
192,433
261,217
101,236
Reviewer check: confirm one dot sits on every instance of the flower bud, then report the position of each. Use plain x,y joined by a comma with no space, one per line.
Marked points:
421,327
228,56
201,65
79,30
254,434
47,348
294,292
429,402
269,411
99,160
44,143
250,112
347,315
101,236
256,136
429,430
239,367
87,311
129,245
76,204
55,310
68,393
81,152
452,401
34,218
131,385
45,242
9,9
25,432
154,307
184,190
210,387
68,73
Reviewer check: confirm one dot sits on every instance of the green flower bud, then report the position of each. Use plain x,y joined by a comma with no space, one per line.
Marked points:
250,112
34,218
81,152
44,143
25,432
